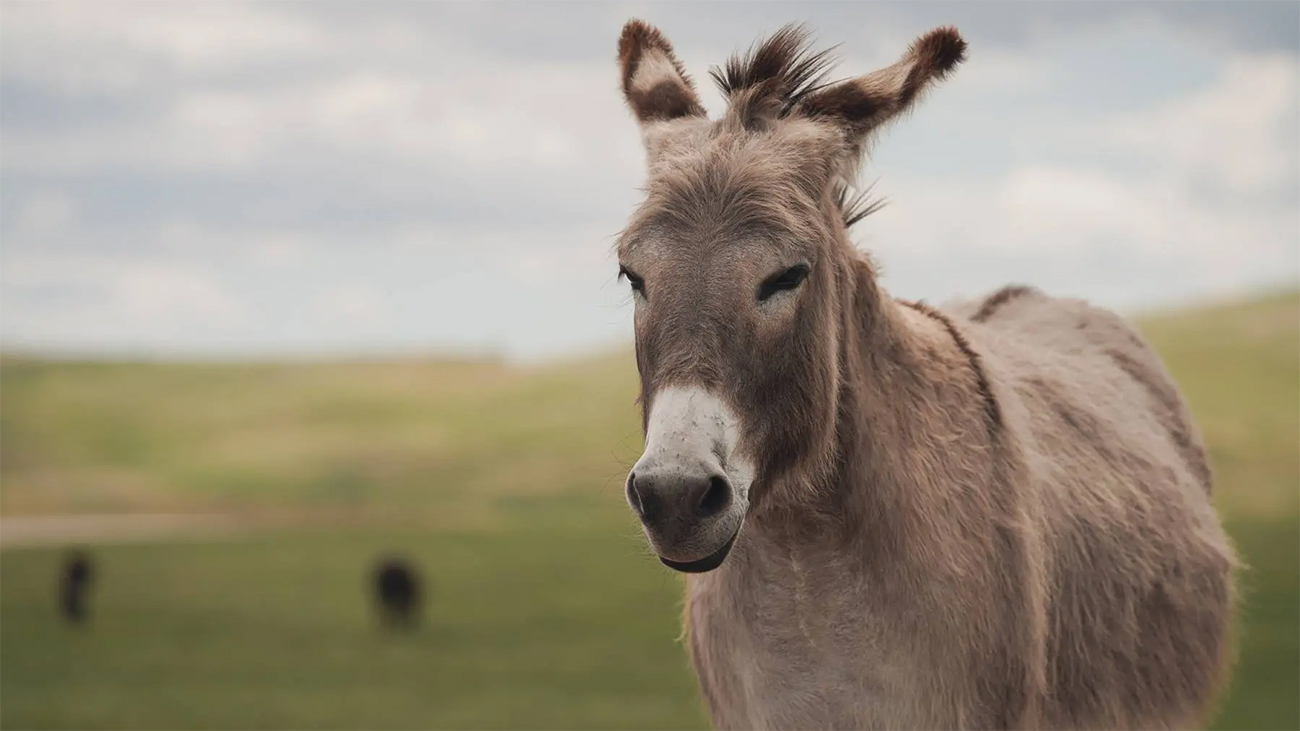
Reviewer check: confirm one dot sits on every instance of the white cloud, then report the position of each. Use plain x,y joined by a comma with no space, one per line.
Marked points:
45,213
118,300
1070,207
279,250
1069,212
513,122
99,48
252,175
996,70
351,303
155,290
1198,180
1241,130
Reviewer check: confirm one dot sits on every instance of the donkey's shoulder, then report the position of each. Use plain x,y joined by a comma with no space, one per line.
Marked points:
1091,351
1033,317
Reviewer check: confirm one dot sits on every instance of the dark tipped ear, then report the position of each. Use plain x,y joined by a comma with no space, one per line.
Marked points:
863,104
654,83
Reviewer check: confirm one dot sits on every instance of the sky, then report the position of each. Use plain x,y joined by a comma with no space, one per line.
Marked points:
308,179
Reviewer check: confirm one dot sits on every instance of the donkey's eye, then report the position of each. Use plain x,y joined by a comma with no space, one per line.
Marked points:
638,284
781,281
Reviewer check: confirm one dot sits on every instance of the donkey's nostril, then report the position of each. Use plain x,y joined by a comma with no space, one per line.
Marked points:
633,496
670,500
716,498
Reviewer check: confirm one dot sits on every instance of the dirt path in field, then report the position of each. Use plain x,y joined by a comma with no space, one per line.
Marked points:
55,530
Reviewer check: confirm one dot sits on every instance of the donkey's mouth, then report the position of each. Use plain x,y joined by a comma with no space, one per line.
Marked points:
708,563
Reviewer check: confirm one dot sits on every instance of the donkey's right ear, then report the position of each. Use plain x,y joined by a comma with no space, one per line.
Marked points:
654,83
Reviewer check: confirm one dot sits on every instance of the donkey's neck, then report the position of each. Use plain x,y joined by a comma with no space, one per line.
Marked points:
908,384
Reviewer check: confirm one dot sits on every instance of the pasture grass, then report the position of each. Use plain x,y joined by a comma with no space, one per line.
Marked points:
503,483
1263,690
531,626
1239,366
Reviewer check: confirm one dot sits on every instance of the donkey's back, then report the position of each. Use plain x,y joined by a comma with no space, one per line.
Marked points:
1140,572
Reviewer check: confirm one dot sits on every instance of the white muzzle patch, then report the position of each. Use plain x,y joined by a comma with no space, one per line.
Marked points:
690,428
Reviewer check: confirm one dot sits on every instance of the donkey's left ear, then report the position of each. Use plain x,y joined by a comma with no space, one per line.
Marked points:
654,83
861,105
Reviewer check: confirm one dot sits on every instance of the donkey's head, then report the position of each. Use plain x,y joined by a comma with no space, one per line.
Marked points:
742,272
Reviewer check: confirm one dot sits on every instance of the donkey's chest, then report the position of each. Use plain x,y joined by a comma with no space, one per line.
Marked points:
803,650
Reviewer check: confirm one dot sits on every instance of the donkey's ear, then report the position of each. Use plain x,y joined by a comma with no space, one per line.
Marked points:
861,105
654,83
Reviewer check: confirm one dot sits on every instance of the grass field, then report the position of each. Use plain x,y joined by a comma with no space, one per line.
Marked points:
504,484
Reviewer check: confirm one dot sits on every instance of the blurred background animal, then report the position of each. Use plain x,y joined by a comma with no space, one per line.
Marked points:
74,587
398,599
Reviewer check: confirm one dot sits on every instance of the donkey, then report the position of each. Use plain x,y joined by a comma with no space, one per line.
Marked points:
991,515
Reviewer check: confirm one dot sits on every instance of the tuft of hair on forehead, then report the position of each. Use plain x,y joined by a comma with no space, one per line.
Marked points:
769,80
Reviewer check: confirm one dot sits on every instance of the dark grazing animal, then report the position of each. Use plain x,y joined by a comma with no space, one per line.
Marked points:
74,587
397,593
993,514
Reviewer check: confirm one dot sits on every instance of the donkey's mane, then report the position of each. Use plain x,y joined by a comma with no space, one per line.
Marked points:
770,79
780,70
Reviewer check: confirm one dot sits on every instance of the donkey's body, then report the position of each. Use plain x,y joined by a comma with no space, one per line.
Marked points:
1060,567
996,515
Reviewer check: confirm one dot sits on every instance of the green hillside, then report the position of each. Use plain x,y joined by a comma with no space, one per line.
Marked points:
505,485
437,441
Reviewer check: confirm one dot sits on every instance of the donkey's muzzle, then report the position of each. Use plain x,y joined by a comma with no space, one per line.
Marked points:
691,486
686,514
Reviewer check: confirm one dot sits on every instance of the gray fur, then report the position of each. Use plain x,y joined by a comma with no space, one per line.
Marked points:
994,514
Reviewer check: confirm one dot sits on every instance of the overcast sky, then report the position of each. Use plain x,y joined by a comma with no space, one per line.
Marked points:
203,178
